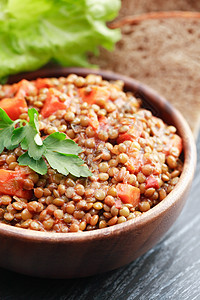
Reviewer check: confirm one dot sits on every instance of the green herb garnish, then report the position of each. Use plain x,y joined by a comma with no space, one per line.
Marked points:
28,136
7,127
61,153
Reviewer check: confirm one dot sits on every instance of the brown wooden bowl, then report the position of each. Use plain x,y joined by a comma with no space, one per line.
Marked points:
67,255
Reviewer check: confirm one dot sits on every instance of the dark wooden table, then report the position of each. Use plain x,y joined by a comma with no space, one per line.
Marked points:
171,270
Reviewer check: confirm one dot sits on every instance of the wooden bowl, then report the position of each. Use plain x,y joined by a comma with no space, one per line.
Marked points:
68,255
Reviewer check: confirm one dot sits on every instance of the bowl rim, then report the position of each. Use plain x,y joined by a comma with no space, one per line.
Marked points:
133,224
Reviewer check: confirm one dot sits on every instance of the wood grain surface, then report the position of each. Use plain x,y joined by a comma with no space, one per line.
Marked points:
171,270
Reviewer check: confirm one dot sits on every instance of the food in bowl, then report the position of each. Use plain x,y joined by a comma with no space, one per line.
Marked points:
82,155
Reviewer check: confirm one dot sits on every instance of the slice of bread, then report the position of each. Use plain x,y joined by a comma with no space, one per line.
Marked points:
163,51
134,7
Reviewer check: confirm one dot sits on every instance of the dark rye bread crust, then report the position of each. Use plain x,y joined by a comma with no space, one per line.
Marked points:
134,7
162,50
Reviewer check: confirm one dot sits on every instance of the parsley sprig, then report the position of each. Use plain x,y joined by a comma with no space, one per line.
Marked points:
59,152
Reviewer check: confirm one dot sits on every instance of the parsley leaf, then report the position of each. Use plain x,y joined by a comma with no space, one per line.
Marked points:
5,121
67,163
5,138
28,136
62,155
60,152
7,127
57,142
53,159
33,121
39,166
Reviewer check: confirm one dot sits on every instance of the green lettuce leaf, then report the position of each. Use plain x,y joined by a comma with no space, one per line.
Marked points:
35,32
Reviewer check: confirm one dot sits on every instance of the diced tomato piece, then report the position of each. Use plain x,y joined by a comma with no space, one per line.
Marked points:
132,134
157,169
14,107
176,142
148,158
152,182
17,105
93,120
124,137
8,90
53,103
128,193
12,182
41,83
118,204
103,123
134,163
97,92
24,88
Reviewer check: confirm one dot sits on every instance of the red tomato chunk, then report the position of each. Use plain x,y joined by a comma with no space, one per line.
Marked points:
12,182
128,193
93,94
54,103
152,182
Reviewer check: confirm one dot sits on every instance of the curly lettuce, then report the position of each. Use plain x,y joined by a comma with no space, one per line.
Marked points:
34,32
